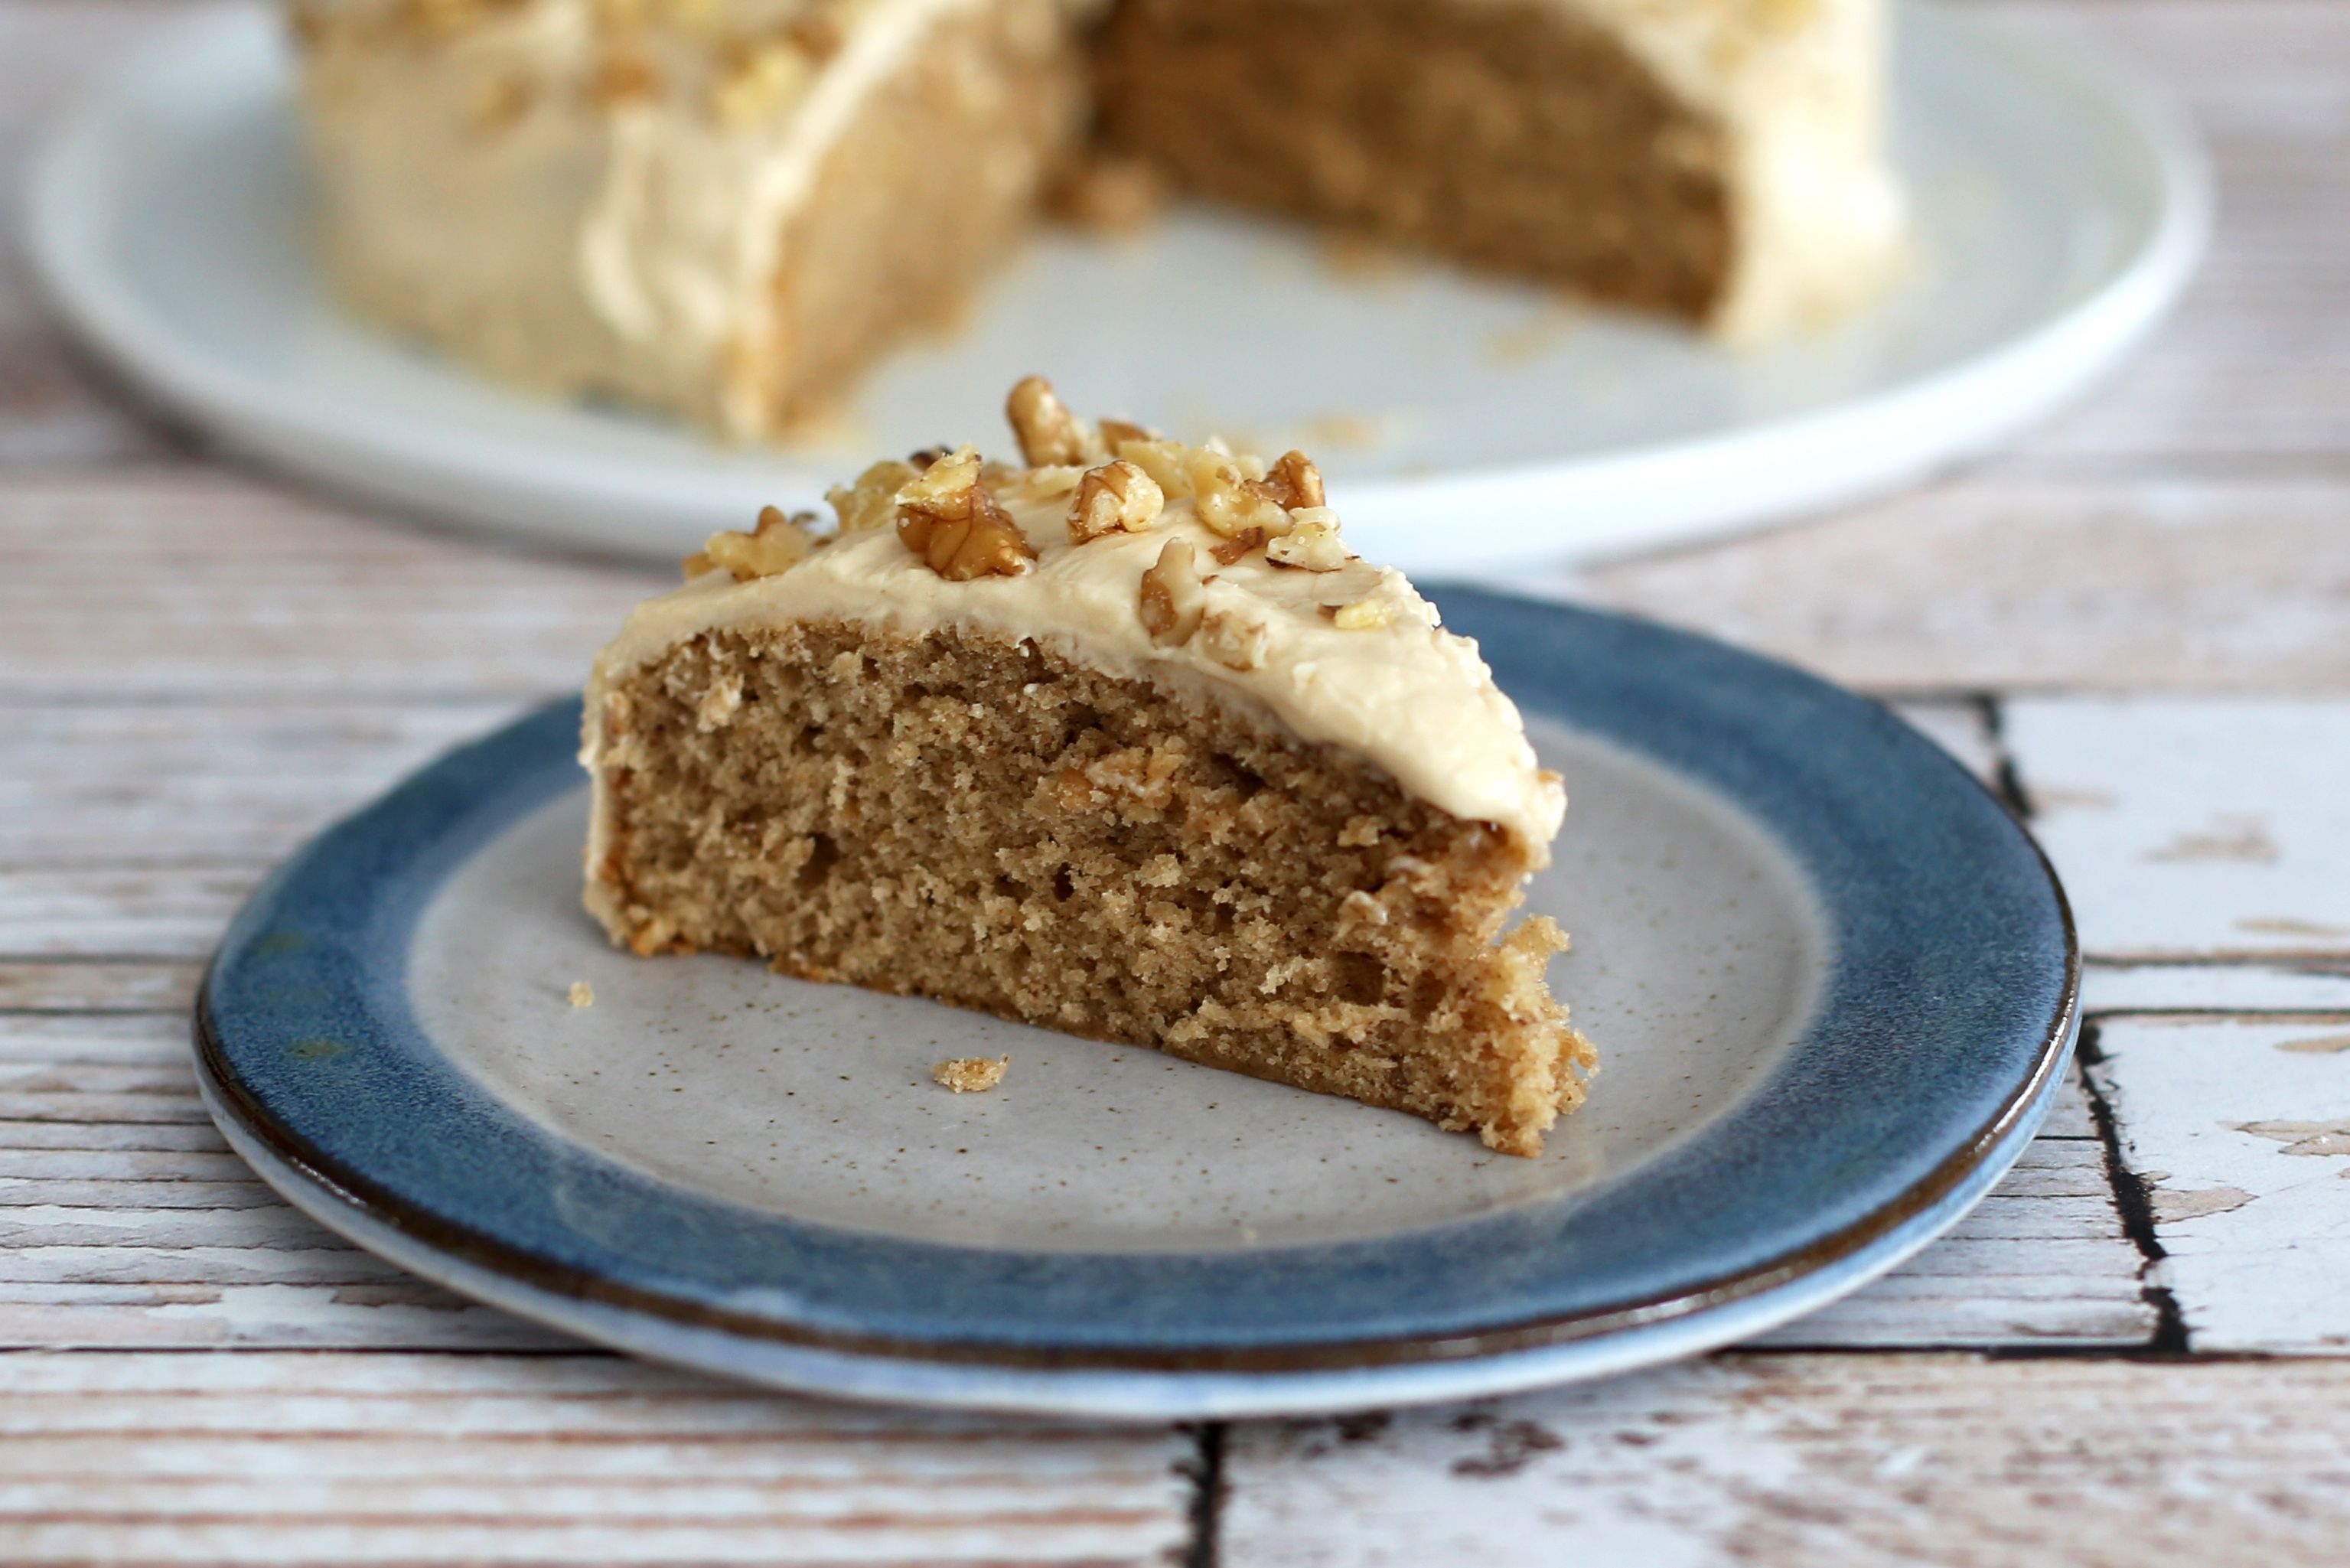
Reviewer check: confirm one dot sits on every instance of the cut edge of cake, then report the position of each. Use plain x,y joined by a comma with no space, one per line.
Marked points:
727,210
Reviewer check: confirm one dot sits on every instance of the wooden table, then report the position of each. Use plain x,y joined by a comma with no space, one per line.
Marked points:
2138,626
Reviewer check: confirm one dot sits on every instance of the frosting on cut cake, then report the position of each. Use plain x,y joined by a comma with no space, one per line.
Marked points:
1348,654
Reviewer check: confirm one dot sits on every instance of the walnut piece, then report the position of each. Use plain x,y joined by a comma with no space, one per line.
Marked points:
776,545
1295,482
947,516
1171,598
1311,543
1238,545
1235,641
1167,462
872,501
1226,500
970,1075
1117,497
1048,432
1363,615
582,994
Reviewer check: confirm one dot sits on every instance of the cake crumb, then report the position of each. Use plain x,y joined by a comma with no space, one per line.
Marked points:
970,1075
582,994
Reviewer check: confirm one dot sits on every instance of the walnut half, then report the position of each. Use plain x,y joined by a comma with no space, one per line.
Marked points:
1117,497
1048,432
947,516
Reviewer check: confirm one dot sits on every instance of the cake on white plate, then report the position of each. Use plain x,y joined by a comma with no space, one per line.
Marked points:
1118,738
725,208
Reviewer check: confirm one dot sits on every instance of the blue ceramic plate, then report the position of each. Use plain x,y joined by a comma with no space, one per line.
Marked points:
1832,980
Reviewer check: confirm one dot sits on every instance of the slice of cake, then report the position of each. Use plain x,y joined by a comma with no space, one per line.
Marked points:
721,208
725,208
1120,739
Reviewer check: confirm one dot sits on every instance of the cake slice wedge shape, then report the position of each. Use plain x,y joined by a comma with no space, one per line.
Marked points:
1120,739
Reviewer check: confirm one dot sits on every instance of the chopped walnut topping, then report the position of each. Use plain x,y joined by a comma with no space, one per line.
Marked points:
1048,432
1363,615
1167,462
1117,497
1311,543
1238,545
970,1075
1295,483
947,516
872,501
1171,598
776,545
1235,641
1226,500
1117,433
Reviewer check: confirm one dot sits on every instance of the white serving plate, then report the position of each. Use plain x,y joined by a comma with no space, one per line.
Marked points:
2060,205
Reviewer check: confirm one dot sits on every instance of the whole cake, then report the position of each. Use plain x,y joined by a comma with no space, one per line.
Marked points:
1120,739
723,208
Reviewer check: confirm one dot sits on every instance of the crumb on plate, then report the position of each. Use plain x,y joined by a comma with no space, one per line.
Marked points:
582,994
970,1075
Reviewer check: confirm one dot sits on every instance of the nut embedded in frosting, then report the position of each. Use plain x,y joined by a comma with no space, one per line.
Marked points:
1170,599
1117,497
948,516
775,546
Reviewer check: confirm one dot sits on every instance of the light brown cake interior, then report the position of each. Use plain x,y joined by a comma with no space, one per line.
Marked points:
992,826
1515,138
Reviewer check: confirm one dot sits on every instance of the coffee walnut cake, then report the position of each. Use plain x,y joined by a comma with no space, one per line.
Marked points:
724,208
1120,740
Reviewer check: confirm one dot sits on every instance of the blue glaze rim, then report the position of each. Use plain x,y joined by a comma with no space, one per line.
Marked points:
1949,1008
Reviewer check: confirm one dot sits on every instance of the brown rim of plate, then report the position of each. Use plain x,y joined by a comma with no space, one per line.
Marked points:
494,1256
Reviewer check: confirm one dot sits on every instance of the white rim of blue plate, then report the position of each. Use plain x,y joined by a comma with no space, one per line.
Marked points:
1604,502
1948,1011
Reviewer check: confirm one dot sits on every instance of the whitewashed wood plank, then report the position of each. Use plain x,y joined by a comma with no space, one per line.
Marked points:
1812,1462
52,408
126,987
177,583
2011,583
204,793
2194,828
175,912
2242,1132
2313,987
427,1458
1960,728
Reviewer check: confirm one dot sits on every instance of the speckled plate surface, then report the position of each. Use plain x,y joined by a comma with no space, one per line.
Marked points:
1832,980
